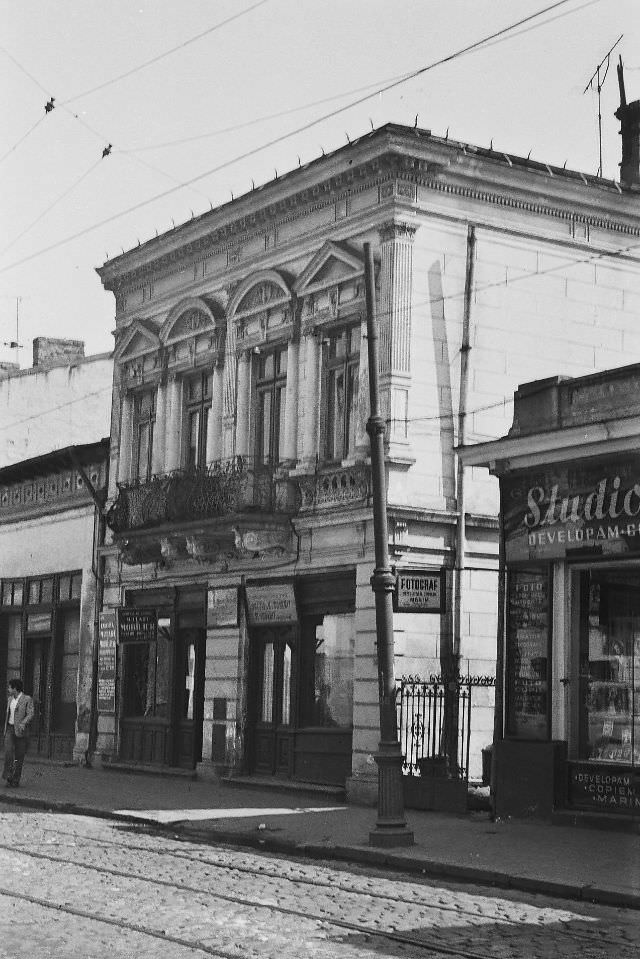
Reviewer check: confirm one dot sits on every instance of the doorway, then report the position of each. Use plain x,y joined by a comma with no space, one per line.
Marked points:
36,681
190,654
273,684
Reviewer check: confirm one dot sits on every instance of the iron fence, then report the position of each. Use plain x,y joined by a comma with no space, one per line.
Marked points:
434,723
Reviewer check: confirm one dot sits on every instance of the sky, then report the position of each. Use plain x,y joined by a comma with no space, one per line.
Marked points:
172,92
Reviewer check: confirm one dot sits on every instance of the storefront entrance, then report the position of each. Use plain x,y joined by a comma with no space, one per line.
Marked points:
272,732
36,681
162,701
301,680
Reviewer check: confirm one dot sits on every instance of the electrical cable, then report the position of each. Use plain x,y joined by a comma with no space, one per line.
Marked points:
41,216
22,138
280,138
162,56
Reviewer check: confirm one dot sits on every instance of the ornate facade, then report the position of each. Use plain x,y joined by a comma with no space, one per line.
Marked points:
239,503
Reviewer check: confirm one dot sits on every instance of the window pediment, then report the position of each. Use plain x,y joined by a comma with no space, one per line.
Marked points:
260,292
138,340
331,265
190,318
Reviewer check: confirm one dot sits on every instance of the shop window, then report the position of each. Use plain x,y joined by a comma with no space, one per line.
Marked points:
328,676
14,646
609,703
147,671
340,402
271,385
528,660
143,420
198,407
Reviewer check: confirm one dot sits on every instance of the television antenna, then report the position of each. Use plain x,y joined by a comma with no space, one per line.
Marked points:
16,344
598,77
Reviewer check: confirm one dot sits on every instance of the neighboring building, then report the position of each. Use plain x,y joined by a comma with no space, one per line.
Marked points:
240,478
54,455
569,470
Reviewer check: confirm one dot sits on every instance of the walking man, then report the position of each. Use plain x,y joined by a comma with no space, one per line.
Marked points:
17,727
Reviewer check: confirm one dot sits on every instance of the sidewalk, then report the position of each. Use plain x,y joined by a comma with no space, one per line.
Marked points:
578,863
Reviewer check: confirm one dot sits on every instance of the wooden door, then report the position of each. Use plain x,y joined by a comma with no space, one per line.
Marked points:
272,737
189,695
36,684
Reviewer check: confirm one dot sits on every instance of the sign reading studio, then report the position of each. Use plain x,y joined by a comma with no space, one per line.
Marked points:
587,507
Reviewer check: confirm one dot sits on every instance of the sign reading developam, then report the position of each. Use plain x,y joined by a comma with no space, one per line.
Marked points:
419,591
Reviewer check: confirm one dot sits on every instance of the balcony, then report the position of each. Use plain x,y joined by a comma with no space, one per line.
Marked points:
331,488
222,489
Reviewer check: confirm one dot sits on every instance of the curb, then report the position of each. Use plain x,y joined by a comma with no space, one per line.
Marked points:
351,854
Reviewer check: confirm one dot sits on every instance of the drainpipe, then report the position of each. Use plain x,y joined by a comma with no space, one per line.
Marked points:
465,349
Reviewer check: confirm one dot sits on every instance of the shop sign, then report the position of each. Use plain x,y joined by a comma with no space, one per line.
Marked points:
137,625
419,591
39,623
222,606
268,605
589,507
107,640
610,788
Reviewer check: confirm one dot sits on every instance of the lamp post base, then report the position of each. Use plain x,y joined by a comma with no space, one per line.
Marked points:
391,827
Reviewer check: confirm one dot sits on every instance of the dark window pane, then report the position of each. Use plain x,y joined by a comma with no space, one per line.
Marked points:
34,592
76,585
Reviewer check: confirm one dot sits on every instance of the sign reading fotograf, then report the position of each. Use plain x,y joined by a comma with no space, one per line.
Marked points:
419,591
137,625
589,506
275,603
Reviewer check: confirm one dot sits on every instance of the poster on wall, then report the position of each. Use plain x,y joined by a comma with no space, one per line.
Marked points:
107,642
222,606
588,507
528,653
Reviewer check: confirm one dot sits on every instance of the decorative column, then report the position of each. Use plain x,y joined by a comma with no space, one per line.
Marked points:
229,391
173,435
214,424
126,438
243,404
396,286
159,431
308,436
290,453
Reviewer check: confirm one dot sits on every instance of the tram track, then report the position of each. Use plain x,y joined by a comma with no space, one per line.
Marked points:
324,920
314,882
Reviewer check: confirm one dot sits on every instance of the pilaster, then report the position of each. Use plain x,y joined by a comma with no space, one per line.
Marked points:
173,435
126,438
159,431
214,424
243,404
394,317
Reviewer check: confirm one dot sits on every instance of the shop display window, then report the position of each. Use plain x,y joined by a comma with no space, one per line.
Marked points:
609,702
331,673
147,668
528,661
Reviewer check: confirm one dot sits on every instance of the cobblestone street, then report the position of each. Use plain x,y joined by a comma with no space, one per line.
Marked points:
83,888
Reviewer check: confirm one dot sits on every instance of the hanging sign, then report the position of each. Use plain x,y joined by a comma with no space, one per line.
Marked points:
275,603
107,641
137,625
419,591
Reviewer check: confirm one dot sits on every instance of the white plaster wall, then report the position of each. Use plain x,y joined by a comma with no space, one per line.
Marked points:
45,410
47,544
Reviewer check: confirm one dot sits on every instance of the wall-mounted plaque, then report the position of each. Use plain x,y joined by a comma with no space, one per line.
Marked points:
222,606
107,641
137,625
419,591
275,603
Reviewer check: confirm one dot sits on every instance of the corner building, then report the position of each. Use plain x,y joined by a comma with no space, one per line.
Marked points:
239,504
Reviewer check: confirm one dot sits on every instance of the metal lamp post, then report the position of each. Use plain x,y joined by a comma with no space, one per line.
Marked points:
391,827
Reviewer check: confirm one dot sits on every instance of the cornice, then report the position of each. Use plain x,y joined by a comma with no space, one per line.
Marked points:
450,169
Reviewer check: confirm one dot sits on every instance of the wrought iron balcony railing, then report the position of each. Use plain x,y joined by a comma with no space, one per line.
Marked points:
223,488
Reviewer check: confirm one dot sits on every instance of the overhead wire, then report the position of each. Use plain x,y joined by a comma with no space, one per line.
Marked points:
162,56
280,138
